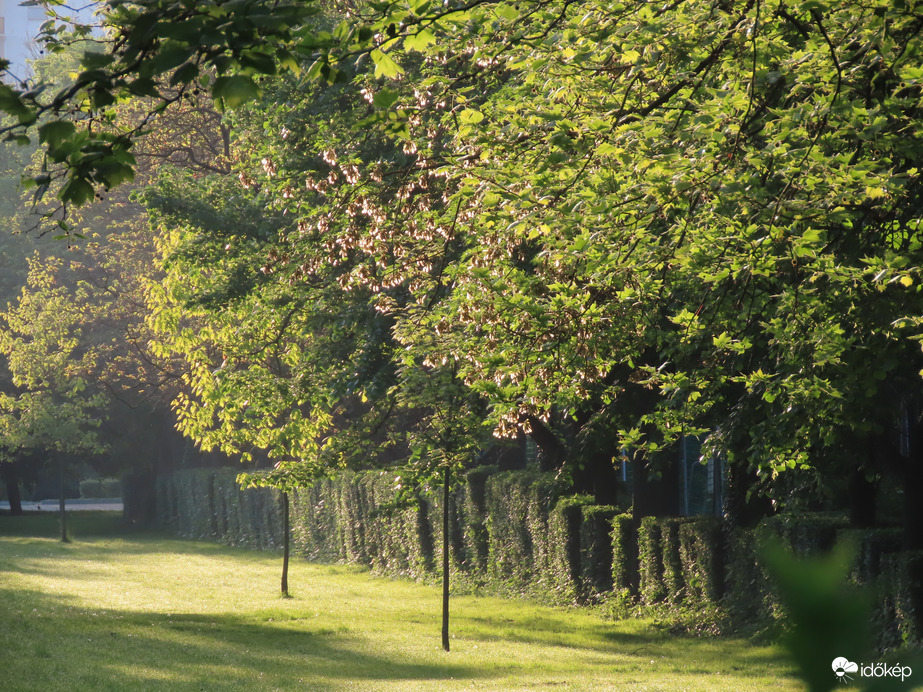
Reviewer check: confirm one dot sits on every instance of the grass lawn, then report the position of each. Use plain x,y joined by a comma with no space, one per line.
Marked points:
126,611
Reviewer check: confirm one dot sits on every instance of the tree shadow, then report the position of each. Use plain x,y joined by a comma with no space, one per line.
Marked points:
102,649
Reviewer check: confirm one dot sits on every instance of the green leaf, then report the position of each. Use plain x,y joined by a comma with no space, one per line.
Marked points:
420,40
93,60
76,191
55,132
235,90
470,116
144,86
257,62
385,98
384,65
12,103
185,74
172,54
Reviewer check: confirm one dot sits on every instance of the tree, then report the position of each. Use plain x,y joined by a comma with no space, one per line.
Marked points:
665,222
55,410
658,221
107,269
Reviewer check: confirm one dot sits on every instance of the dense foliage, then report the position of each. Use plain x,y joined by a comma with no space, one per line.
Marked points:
606,226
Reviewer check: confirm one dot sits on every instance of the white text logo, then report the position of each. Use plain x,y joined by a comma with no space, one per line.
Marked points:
842,667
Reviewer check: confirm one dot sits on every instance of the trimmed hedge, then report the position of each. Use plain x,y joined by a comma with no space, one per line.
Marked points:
100,488
652,587
701,551
625,579
564,540
314,523
208,504
872,548
474,530
673,581
807,533
596,551
515,532
518,506
902,599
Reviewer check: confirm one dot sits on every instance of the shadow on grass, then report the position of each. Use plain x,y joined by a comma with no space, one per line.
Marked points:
95,536
58,642
80,524
106,649
630,638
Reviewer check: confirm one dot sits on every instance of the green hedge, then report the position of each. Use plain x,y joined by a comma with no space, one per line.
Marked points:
474,530
872,546
314,523
679,558
208,504
520,554
701,550
806,533
596,551
673,579
902,596
564,525
460,557
652,588
625,579
515,532
100,488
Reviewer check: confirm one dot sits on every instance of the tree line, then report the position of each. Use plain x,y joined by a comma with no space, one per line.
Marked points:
441,227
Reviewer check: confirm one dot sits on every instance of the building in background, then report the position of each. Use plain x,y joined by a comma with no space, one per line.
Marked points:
19,27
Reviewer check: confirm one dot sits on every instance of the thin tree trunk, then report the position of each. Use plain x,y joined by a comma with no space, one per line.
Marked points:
445,560
285,544
64,538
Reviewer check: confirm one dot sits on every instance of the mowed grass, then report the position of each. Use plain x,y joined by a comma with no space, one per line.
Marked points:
123,611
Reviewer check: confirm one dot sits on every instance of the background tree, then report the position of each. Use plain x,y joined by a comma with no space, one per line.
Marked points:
55,411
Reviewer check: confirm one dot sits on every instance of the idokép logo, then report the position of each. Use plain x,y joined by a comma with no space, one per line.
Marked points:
842,667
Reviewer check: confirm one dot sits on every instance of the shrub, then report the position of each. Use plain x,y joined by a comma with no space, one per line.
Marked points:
674,585
872,545
902,582
110,487
90,488
564,541
314,522
596,554
806,533
519,552
459,559
701,549
650,561
475,529
624,556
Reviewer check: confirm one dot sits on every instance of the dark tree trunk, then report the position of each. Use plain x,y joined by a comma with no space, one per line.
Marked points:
655,494
863,495
744,509
445,559
285,543
599,477
912,487
11,480
550,450
139,498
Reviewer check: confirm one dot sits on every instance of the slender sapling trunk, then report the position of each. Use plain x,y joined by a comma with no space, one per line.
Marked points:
285,544
64,538
445,560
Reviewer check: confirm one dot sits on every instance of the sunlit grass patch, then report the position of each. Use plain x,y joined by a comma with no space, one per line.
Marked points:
117,611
